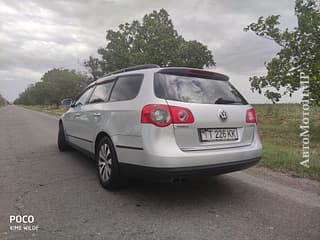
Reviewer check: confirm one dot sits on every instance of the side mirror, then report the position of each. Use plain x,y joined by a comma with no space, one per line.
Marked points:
67,102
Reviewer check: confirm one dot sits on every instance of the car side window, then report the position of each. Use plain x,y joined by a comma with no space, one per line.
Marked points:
83,99
126,88
101,92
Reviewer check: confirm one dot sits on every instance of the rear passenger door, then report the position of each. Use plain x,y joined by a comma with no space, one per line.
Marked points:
112,109
124,110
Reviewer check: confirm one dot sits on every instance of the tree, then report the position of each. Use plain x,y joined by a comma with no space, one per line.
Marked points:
62,83
300,52
94,67
3,101
55,85
153,41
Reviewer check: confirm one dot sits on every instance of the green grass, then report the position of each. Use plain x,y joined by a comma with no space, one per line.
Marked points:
279,129
53,110
2,104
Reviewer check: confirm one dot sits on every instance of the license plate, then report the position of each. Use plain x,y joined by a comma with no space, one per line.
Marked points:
218,134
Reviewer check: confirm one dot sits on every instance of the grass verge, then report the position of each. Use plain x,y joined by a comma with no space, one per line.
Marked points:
279,130
52,110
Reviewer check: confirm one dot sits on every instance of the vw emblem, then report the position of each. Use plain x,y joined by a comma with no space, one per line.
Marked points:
223,115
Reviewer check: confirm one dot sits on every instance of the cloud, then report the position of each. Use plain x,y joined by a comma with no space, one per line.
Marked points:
39,35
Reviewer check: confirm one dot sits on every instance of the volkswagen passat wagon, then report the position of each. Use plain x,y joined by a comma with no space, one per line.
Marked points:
161,123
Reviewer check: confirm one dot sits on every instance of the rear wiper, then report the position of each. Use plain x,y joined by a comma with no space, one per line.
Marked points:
226,101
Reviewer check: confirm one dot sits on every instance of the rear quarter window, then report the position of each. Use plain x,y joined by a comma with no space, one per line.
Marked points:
126,88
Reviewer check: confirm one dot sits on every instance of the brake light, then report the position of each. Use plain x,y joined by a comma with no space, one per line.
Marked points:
251,116
163,115
181,115
202,72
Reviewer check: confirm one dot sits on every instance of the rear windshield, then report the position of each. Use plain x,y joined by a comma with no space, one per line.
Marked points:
196,90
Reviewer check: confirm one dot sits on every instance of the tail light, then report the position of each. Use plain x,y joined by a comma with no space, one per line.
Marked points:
163,115
251,116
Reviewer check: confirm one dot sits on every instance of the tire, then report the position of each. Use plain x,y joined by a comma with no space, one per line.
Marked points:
107,165
62,143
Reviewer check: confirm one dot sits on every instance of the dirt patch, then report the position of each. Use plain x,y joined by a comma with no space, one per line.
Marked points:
302,184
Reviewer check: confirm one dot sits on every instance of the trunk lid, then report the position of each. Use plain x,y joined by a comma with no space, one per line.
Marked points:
218,109
207,123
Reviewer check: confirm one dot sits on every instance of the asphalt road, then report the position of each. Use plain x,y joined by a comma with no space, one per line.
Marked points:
62,192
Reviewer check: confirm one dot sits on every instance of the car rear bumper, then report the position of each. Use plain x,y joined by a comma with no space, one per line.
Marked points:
158,149
154,173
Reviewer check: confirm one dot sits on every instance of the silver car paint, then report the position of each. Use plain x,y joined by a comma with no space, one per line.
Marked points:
171,146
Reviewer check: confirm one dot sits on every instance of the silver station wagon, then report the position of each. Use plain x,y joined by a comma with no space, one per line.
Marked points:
161,123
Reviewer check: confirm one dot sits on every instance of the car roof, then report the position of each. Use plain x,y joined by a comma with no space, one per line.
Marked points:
173,70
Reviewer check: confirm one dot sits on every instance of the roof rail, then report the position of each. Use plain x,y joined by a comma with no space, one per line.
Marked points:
137,67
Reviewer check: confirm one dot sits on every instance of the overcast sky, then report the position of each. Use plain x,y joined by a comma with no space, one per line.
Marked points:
36,36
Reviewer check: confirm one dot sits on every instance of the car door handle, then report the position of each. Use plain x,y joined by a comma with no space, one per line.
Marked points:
77,114
97,114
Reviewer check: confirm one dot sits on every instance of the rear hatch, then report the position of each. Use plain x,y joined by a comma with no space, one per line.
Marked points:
218,109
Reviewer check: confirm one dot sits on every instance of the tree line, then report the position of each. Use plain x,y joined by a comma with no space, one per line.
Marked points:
155,40
3,101
54,86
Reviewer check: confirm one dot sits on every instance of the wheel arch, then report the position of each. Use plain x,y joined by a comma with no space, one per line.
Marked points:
61,124
99,136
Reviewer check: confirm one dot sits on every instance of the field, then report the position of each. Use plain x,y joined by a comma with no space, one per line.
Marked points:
279,130
52,110
3,102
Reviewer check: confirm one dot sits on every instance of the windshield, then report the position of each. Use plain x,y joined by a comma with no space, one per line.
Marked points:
196,90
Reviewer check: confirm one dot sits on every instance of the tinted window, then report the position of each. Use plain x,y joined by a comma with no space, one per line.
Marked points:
196,90
126,88
83,99
101,92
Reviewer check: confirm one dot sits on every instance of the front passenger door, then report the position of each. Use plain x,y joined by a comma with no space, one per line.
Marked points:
74,119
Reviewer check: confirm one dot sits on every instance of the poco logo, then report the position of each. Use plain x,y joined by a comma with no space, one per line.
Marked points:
21,219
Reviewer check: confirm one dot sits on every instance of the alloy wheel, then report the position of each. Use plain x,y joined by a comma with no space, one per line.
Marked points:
105,162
